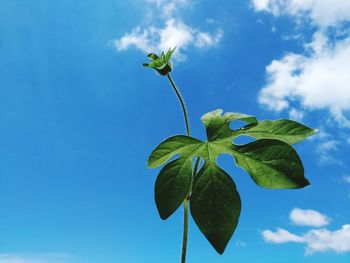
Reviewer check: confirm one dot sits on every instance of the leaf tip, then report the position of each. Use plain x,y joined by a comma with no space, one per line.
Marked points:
301,184
163,216
152,56
150,163
219,248
208,115
307,183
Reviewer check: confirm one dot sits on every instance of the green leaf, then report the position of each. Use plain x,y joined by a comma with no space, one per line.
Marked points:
271,164
172,186
215,205
288,131
218,125
152,56
169,53
178,144
214,201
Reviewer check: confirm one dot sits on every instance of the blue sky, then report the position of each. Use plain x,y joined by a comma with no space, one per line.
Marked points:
79,116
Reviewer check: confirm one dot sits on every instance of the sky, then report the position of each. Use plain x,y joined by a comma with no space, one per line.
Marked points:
79,116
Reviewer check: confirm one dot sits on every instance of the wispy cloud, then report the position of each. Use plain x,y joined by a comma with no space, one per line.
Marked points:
37,258
316,240
169,7
328,147
346,179
173,32
325,150
322,13
296,115
240,243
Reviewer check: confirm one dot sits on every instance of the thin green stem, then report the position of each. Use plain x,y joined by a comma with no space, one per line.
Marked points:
182,102
185,232
185,227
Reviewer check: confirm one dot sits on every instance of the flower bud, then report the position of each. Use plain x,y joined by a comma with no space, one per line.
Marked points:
161,64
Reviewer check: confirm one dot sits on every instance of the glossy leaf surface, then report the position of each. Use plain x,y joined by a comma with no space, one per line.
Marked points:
272,164
172,186
288,131
215,203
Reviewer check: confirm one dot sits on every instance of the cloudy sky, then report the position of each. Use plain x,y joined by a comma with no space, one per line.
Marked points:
79,116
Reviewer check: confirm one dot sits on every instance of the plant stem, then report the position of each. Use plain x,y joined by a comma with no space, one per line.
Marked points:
185,227
178,94
185,232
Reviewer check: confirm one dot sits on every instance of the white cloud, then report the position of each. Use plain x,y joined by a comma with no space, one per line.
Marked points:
267,6
280,236
318,78
308,218
316,240
316,81
323,13
141,39
174,32
321,240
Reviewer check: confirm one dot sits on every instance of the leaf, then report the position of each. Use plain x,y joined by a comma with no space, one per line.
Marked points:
218,126
214,201
172,186
215,205
152,56
288,131
178,144
271,164
169,53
